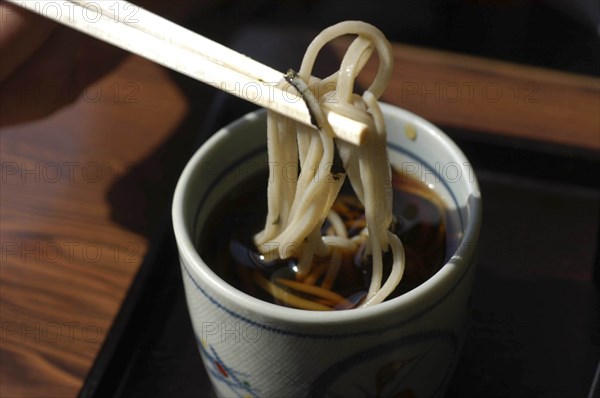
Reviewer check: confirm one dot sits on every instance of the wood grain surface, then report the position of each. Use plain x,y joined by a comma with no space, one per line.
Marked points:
66,263
71,194
491,96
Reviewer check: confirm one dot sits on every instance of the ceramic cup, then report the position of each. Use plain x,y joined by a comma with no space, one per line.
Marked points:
404,347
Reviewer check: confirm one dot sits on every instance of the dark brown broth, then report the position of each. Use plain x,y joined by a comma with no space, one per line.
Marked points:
419,221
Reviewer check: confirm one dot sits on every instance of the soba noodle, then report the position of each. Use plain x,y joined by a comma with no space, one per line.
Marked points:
298,207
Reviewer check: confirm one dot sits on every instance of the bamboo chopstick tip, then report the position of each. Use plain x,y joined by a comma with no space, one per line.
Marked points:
347,129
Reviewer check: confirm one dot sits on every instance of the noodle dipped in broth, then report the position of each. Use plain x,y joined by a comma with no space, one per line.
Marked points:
297,209
227,242
316,252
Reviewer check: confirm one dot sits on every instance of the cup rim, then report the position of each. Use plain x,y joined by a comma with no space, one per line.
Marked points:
451,270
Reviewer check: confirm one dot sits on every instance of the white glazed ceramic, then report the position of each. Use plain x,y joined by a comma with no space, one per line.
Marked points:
405,347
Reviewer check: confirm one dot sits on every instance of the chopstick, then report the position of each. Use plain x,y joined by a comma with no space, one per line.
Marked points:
141,32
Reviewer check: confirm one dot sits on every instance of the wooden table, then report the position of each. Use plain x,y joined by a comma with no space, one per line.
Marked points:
66,262
80,190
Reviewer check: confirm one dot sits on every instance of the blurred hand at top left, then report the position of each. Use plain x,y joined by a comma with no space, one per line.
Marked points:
45,66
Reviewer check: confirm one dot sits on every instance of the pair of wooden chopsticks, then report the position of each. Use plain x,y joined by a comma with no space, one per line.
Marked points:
141,32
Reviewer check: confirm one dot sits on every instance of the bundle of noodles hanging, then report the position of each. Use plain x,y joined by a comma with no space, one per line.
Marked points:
298,208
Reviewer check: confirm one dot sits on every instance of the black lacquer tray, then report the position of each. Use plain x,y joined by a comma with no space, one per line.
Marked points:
535,314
